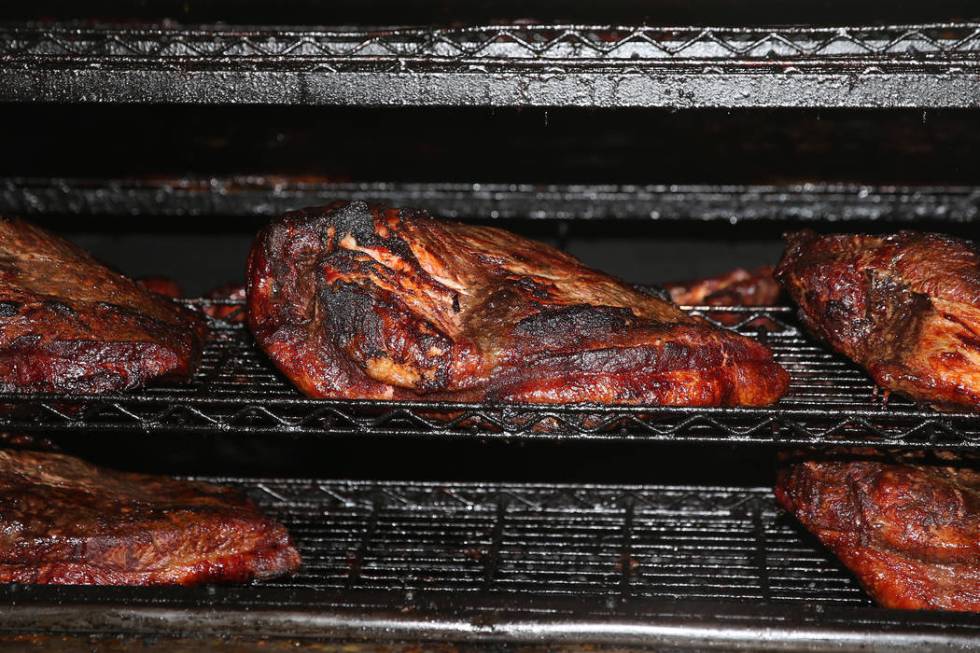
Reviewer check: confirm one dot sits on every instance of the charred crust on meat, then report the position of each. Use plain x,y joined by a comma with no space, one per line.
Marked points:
58,307
576,321
67,522
905,306
10,309
906,527
80,327
536,288
357,220
357,300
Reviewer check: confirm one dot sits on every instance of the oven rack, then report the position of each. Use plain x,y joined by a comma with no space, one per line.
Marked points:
653,565
236,196
237,391
931,65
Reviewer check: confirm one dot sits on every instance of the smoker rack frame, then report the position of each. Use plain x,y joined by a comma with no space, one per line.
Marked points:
242,196
922,72
933,65
626,565
236,390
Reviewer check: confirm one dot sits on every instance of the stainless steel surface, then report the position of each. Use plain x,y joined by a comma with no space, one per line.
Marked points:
934,65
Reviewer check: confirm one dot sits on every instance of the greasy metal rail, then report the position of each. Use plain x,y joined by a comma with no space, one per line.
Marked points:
237,391
520,65
669,565
271,195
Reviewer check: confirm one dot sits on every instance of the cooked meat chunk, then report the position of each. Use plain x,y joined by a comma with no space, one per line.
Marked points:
740,287
69,324
229,292
162,286
64,521
910,533
361,301
905,306
230,312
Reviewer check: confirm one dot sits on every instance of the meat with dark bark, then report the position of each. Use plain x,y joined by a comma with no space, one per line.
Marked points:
740,287
910,533
63,521
70,324
230,292
360,301
905,306
162,286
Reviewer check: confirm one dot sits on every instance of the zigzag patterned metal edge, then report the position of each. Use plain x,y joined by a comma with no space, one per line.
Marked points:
542,43
885,431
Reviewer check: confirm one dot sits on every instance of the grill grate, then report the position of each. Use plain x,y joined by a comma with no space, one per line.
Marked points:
518,65
513,561
236,390
542,541
546,540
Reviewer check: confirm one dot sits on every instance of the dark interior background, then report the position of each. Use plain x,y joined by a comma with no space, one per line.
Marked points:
480,145
449,12
494,145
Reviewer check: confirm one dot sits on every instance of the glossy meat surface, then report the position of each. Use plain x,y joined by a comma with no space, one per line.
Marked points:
359,301
162,286
740,287
910,533
64,521
905,306
70,324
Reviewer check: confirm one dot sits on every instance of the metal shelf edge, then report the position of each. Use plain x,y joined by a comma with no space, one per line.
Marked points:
237,196
949,88
693,630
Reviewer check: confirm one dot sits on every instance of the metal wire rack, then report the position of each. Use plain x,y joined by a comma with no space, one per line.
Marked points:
237,391
516,561
521,65
598,542
273,195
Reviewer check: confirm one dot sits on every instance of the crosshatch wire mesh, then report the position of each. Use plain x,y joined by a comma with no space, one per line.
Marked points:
236,390
609,544
502,562
546,540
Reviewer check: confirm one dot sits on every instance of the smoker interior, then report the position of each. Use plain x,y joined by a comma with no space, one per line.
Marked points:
414,530
492,562
924,161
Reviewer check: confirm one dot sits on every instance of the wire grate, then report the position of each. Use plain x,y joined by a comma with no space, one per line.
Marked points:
537,542
512,562
236,390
